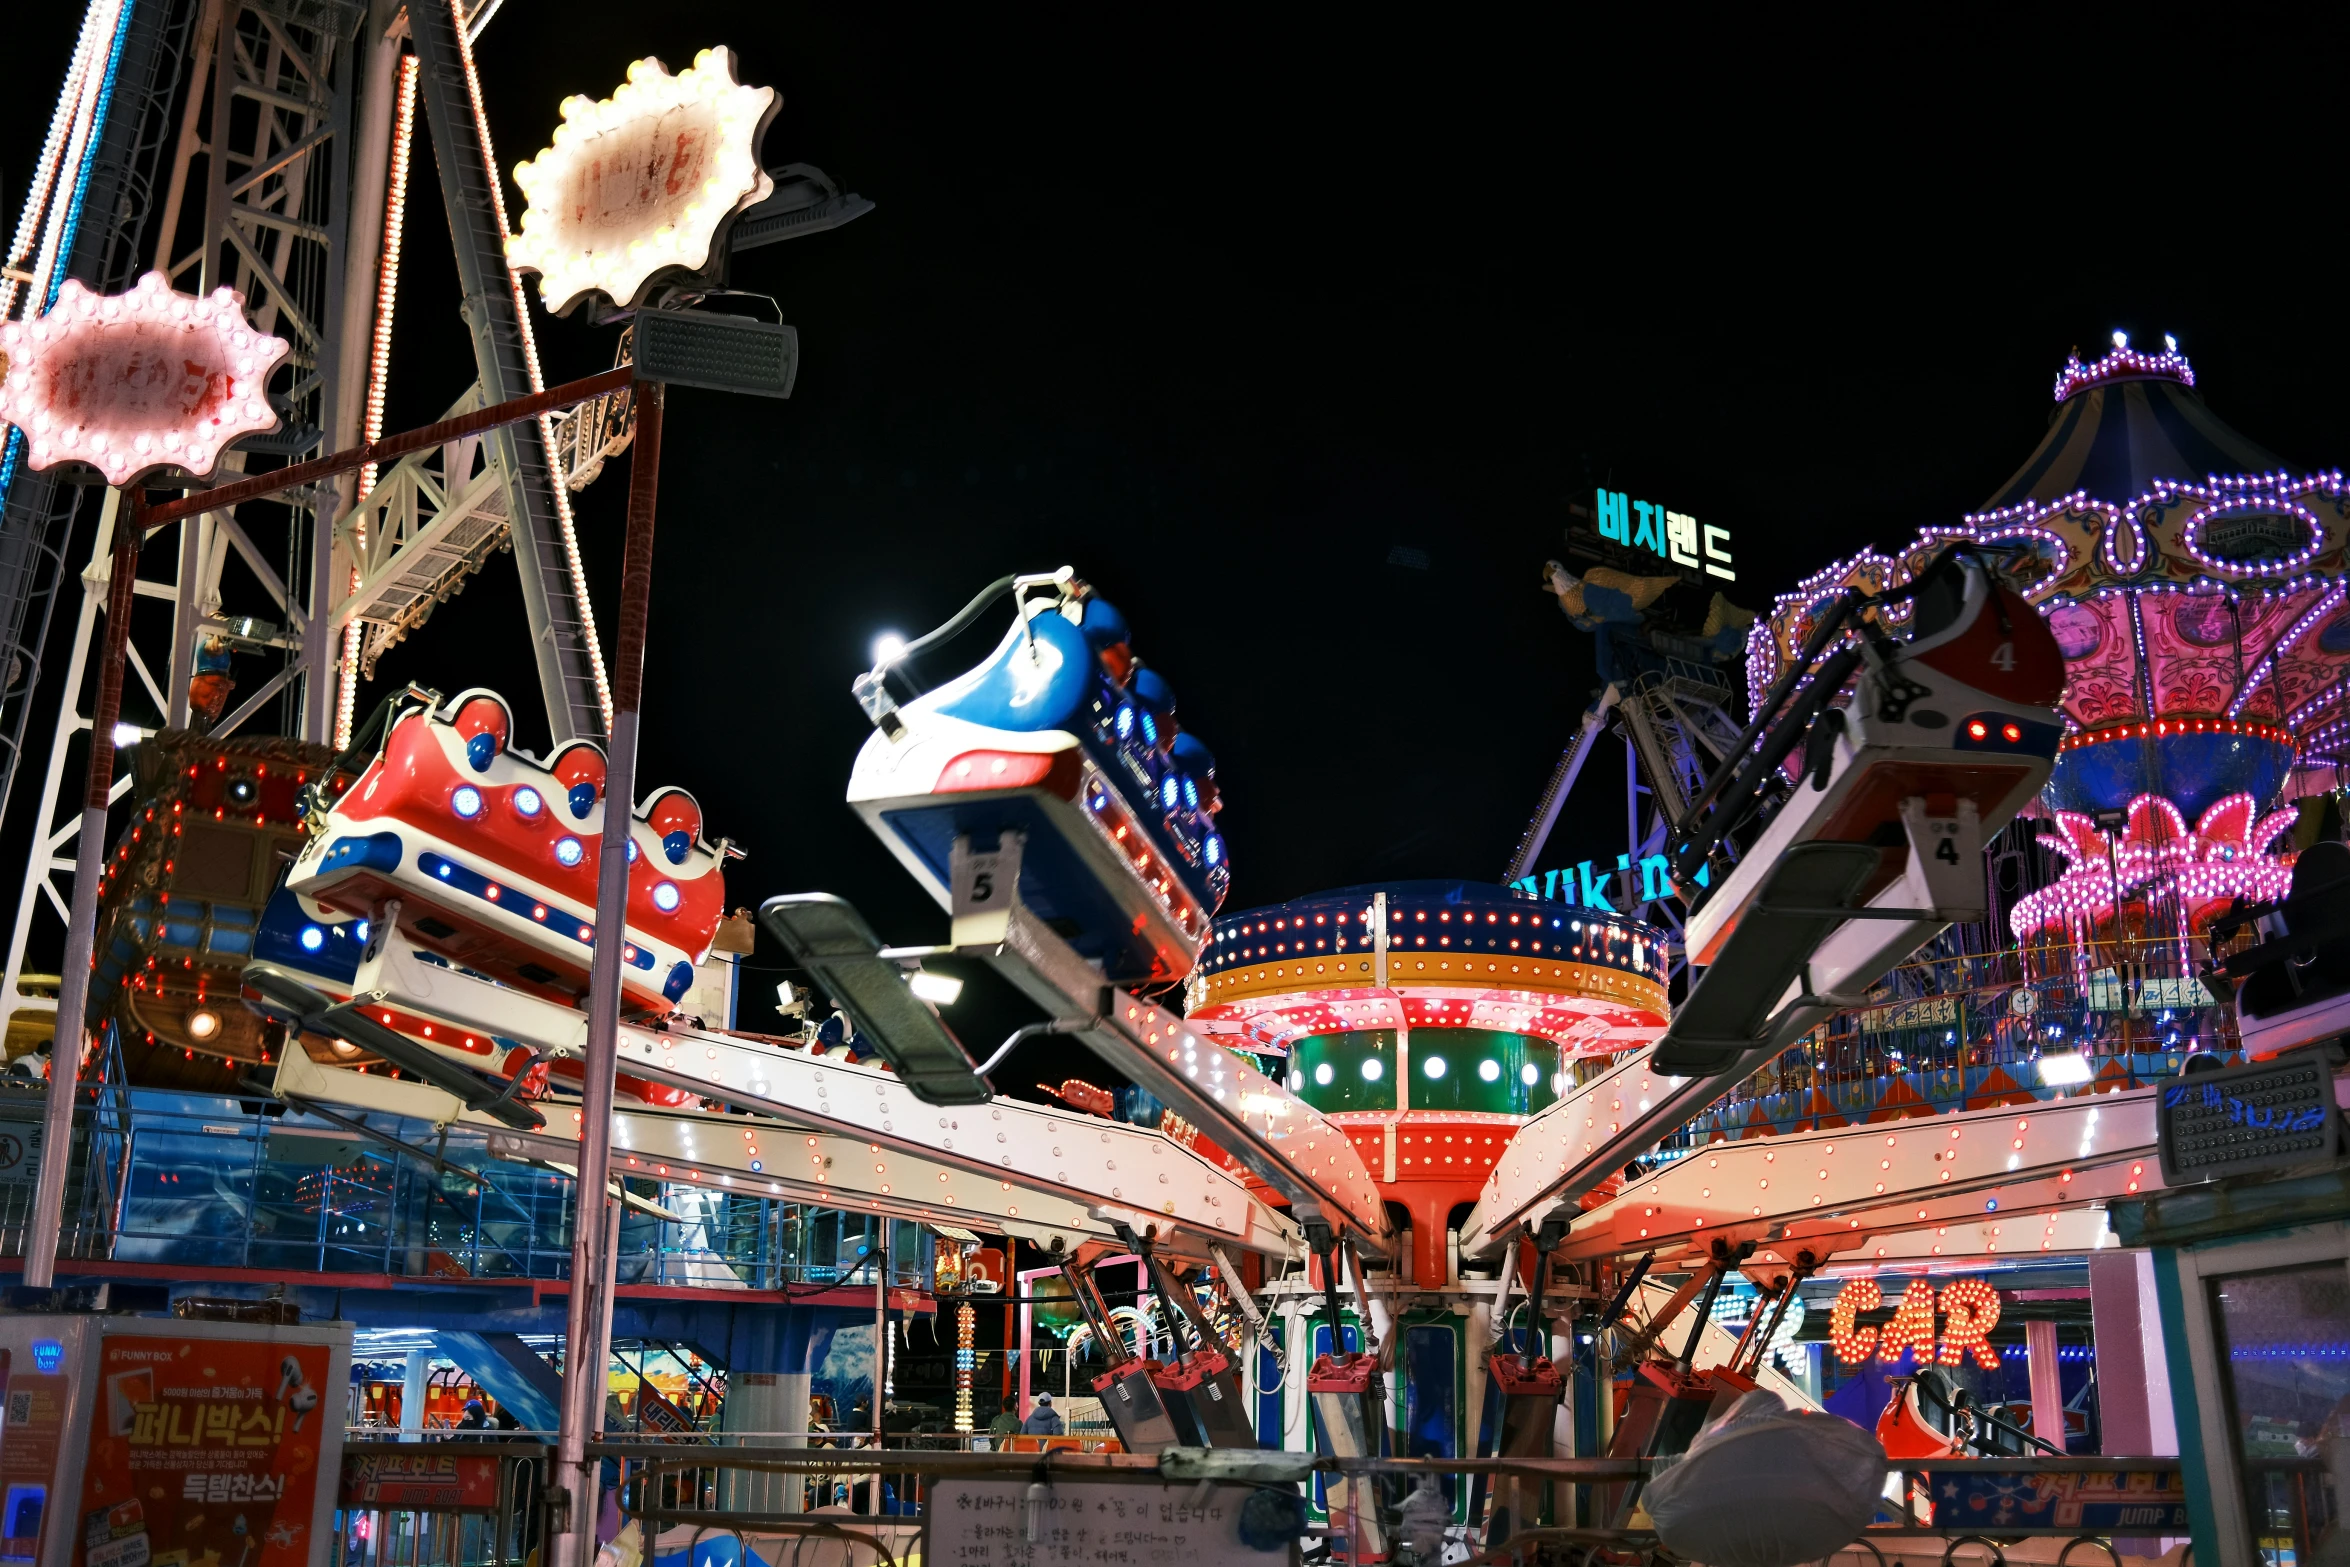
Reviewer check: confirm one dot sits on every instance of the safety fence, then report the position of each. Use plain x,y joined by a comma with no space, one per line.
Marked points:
1580,1504
481,1504
1973,1030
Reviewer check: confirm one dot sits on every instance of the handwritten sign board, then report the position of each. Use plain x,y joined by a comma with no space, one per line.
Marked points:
433,1482
1089,1523
2269,1115
2152,1500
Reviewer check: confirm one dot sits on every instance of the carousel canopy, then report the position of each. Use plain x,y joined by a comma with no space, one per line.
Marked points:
2122,423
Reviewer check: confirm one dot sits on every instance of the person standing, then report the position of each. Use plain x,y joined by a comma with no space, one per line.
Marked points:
1043,1420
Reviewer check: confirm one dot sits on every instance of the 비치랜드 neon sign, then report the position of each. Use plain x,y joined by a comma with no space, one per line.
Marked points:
1672,535
1969,1309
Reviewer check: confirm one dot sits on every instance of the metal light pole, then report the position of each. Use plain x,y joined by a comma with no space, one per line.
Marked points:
73,989
588,1322
884,1235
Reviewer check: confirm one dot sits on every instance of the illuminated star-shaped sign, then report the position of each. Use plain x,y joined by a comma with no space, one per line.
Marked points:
133,382
642,182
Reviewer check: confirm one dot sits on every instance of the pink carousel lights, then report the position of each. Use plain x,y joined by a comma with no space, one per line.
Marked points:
2123,361
2221,858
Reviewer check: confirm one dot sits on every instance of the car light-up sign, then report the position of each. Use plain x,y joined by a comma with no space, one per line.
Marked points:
131,383
1969,1309
642,182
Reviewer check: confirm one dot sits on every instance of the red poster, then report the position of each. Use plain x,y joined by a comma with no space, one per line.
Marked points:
427,1482
203,1451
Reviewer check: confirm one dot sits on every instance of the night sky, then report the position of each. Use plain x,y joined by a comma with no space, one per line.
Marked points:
1219,314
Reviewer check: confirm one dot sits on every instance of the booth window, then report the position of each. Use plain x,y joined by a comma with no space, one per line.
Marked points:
2284,1353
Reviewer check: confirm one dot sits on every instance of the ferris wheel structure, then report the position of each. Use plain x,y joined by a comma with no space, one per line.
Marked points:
271,147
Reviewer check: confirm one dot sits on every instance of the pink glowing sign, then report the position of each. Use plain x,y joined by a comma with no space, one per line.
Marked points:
134,382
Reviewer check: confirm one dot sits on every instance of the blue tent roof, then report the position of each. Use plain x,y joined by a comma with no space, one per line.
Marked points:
2115,438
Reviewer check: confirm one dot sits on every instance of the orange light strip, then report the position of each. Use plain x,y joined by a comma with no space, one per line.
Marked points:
387,277
530,360
2162,728
379,363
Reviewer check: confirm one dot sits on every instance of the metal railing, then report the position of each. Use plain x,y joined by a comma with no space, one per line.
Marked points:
1974,1026
761,1494
668,1488
234,1182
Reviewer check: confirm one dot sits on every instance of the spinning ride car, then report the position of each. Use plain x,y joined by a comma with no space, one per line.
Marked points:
1062,736
361,996
1876,847
481,853
455,864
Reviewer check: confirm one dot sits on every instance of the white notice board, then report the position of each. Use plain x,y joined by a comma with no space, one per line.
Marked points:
1143,1522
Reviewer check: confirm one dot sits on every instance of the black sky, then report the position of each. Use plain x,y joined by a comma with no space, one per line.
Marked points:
1218,310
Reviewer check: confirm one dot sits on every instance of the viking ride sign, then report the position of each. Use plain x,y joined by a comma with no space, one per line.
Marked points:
131,383
643,182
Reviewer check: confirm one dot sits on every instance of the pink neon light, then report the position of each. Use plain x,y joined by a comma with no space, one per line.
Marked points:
140,381
2313,542
2223,857
2124,361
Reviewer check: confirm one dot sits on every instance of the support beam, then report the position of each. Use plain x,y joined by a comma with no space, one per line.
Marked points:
588,1327
73,991
553,593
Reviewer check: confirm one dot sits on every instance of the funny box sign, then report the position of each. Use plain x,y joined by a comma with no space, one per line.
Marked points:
202,1449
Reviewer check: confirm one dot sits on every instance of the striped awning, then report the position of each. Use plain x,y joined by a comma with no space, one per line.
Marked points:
2115,438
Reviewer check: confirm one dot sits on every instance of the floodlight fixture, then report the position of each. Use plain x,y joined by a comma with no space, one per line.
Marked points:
722,353
2069,1070
830,939
940,990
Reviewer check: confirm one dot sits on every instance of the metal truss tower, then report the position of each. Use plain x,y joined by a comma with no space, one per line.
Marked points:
279,135
1676,725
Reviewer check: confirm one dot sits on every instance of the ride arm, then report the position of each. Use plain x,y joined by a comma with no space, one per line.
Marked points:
1824,631
1700,835
1246,1304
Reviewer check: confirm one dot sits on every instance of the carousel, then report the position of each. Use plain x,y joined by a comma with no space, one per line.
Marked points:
2197,587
